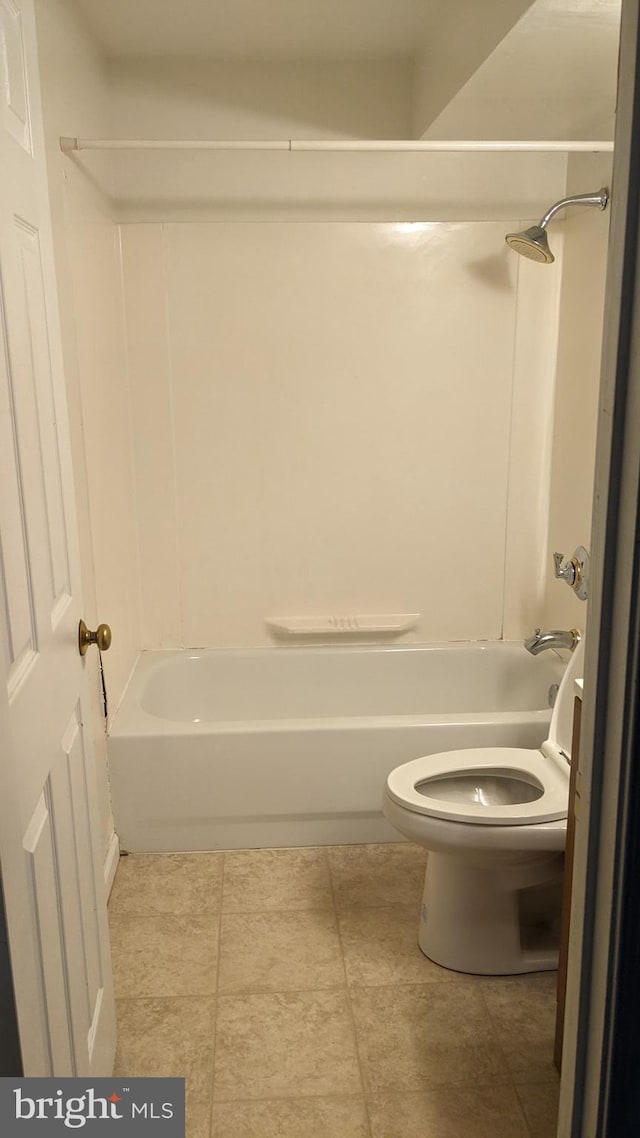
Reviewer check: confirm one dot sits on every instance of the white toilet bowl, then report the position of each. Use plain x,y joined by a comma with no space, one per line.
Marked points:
494,821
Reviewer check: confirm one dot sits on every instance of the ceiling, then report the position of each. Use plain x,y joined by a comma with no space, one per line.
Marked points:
261,29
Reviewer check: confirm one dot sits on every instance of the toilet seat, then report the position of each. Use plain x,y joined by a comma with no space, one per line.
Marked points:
544,773
540,772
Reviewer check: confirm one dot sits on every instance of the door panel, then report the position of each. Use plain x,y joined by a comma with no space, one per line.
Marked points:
15,106
20,642
49,855
38,363
70,808
47,934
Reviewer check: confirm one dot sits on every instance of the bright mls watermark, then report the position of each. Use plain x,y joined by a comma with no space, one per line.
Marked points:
108,1107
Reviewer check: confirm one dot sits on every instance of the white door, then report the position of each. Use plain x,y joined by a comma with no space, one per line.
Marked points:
51,872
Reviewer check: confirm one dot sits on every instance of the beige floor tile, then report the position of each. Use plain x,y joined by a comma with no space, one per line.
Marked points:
279,952
168,1038
292,1118
198,1120
540,1105
377,875
151,884
164,956
419,1036
288,879
285,1045
523,1009
381,947
448,1112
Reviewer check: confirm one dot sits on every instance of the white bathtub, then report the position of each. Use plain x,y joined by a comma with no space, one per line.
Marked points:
232,748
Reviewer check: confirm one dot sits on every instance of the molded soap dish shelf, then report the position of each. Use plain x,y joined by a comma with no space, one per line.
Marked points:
388,624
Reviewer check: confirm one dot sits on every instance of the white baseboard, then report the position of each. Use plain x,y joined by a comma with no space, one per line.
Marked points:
111,863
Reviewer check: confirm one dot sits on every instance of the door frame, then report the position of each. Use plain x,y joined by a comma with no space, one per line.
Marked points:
10,1057
597,1048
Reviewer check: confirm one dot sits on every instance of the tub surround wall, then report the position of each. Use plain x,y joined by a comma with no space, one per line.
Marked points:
578,384
283,483
530,446
76,96
199,186
337,419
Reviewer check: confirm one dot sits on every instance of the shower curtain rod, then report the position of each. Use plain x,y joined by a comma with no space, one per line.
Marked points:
69,145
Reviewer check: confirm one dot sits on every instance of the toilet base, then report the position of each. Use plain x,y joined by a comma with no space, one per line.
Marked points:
470,915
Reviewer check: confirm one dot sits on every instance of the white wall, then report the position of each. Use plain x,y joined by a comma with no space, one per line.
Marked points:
203,99
76,98
200,98
461,37
325,418
552,76
243,100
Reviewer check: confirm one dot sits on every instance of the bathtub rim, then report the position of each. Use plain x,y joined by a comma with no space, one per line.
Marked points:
131,719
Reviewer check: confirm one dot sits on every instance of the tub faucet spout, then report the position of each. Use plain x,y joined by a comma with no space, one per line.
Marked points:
557,638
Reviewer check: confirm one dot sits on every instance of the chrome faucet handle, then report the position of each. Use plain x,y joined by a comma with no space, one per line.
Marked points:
567,574
575,572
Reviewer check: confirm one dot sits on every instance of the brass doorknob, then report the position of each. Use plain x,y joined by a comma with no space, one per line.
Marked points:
101,637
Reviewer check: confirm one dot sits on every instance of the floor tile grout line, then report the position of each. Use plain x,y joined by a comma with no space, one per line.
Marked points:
161,999
434,985
356,987
282,992
349,1001
360,1096
524,1113
510,1073
163,913
337,988
495,1032
217,989
393,905
253,912
516,976
341,910
391,1092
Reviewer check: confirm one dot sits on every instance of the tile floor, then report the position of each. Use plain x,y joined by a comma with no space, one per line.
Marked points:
287,987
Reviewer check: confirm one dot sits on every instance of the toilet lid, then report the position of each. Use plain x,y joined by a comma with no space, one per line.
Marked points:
494,786
561,726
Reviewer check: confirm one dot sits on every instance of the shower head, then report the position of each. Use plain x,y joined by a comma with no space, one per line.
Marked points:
531,243
534,244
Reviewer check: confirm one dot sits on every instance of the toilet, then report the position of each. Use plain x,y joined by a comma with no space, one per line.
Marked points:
494,820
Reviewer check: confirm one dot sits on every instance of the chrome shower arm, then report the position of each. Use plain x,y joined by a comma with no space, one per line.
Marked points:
600,200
